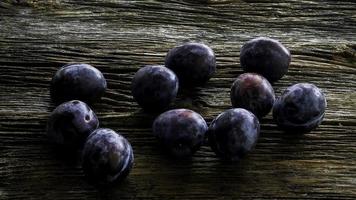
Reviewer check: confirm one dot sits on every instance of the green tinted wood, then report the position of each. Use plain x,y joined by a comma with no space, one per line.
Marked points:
118,37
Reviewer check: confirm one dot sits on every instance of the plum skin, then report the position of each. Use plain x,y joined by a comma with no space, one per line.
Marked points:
193,63
107,157
70,124
154,87
300,108
254,93
233,134
180,131
77,81
265,56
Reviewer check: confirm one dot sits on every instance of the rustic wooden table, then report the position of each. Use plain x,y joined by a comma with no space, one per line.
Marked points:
116,36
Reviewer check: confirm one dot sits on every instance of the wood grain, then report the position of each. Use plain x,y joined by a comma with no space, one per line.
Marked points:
118,37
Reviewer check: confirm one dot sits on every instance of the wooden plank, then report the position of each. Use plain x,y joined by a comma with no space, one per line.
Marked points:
37,37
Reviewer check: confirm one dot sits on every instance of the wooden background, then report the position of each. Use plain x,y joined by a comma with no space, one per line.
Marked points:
116,36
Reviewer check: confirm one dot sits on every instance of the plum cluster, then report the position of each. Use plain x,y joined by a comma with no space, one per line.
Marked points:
107,156
233,133
299,109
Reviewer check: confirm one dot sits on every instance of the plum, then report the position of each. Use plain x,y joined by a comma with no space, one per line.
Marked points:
154,87
233,134
77,81
180,131
254,93
70,124
107,157
265,56
300,108
193,63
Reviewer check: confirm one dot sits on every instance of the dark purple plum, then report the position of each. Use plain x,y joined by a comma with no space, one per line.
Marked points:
194,63
180,131
70,124
154,87
107,157
254,93
265,56
233,134
301,108
77,81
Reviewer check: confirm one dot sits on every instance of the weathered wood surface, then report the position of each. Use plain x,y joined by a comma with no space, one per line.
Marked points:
37,37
